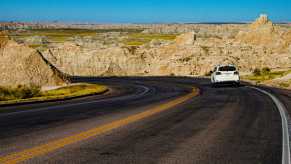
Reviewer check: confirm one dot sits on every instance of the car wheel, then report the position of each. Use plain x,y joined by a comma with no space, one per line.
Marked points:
213,85
237,84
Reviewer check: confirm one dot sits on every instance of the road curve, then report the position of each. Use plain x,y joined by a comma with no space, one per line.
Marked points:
222,125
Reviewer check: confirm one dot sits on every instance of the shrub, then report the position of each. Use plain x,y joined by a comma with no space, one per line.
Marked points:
205,49
266,70
208,73
20,92
3,93
257,72
186,59
29,91
284,85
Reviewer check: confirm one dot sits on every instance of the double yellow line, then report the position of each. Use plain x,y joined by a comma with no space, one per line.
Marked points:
60,143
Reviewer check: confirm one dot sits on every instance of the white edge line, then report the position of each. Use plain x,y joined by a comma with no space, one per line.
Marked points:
285,129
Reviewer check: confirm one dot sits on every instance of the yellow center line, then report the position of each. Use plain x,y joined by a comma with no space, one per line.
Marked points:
43,149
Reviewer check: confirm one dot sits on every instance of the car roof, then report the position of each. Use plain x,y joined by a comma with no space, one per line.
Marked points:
221,65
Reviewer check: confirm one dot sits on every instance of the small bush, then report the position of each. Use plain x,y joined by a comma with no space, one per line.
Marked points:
208,73
266,70
20,92
186,59
172,74
284,85
205,49
257,72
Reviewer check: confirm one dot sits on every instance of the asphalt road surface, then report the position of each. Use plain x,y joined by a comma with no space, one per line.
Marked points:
220,125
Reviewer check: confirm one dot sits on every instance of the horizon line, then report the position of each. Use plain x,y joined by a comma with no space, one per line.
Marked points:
134,23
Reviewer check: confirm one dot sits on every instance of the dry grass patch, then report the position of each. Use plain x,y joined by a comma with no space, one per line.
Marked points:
263,75
19,92
137,39
29,94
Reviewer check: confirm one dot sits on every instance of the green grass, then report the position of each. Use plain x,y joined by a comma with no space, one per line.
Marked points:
55,35
285,84
75,90
10,95
137,39
265,76
62,35
134,43
19,92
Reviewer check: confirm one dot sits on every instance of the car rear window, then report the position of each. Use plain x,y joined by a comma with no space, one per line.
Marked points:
227,68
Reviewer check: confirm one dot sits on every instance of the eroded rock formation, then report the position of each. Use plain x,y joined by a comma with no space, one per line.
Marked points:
21,65
261,44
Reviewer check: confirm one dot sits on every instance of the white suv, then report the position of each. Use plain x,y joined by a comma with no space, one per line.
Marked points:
225,74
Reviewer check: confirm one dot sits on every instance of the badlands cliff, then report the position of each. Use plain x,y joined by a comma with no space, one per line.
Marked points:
260,44
21,65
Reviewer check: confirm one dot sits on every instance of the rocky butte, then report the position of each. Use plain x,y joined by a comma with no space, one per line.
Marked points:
260,44
21,65
195,52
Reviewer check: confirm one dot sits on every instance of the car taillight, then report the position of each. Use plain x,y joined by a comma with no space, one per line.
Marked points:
218,73
236,73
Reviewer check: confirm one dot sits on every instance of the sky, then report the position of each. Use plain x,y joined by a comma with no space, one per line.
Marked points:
143,11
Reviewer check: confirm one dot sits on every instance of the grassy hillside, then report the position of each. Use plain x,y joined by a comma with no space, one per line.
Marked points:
134,37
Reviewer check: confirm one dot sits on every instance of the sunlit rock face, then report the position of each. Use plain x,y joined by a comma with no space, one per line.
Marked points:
114,61
262,32
3,39
186,39
257,45
21,65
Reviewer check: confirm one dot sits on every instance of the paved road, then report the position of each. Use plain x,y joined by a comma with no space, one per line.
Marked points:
222,125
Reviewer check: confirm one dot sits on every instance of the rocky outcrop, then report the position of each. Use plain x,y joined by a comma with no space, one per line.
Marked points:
262,32
186,39
202,30
3,39
114,70
36,40
262,22
21,65
260,44
76,60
